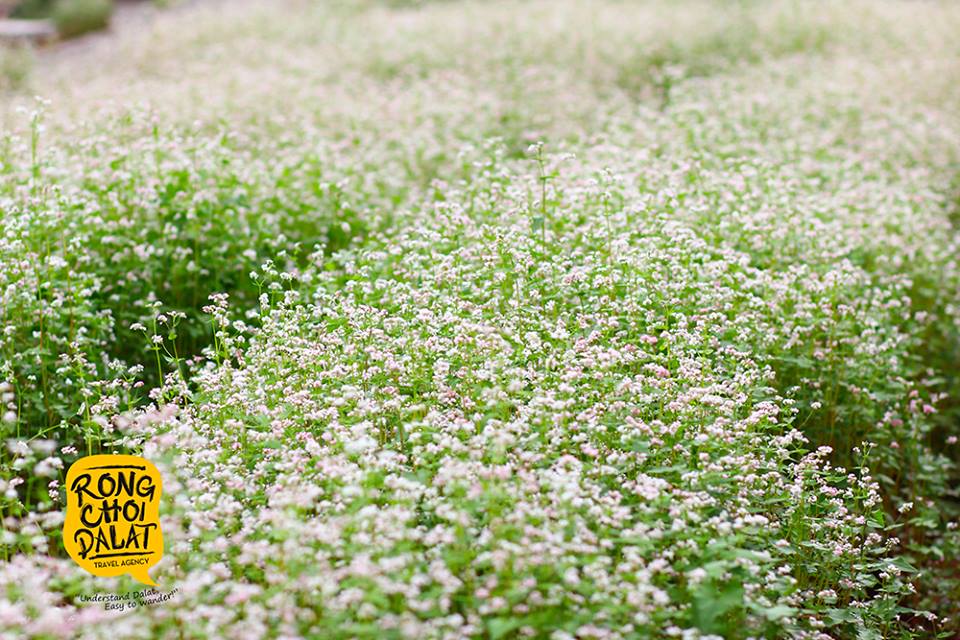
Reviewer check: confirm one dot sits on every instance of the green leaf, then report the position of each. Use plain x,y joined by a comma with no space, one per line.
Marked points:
840,616
711,602
499,627
778,612
863,633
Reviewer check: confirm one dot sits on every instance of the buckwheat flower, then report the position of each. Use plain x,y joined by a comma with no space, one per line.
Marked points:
658,370
11,492
48,467
360,444
18,447
43,446
696,576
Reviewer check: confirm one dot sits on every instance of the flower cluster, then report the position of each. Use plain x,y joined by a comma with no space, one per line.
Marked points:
489,320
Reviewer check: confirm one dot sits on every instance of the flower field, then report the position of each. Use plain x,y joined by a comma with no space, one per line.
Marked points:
495,320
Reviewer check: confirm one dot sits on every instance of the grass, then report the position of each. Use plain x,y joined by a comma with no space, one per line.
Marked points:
496,320
77,17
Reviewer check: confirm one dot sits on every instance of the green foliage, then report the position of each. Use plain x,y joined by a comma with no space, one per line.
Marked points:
497,320
33,9
16,64
76,17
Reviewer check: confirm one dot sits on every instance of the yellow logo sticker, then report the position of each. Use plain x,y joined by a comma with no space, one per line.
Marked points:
112,524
